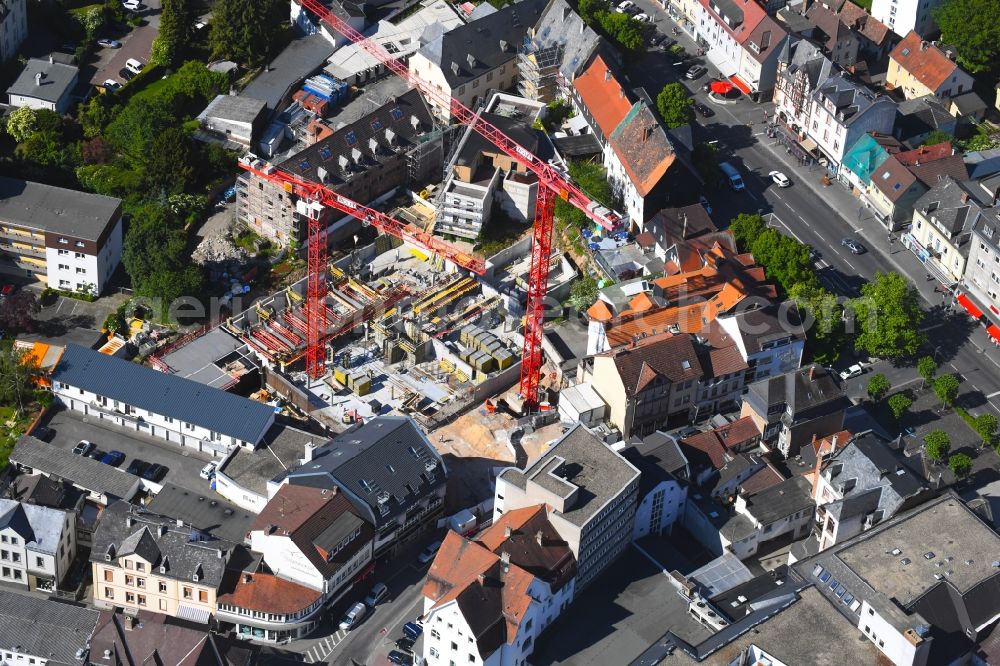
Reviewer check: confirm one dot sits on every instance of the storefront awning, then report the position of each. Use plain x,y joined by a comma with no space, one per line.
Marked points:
199,615
721,61
969,306
809,144
994,333
738,82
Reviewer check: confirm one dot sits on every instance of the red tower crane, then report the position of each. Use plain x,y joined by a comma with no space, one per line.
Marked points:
551,183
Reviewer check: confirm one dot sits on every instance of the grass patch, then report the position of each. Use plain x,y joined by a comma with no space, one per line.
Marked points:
864,4
12,427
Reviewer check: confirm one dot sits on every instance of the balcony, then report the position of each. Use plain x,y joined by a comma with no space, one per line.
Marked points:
22,237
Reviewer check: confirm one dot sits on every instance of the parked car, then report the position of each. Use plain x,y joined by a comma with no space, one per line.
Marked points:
8,289
109,43
378,593
113,458
401,658
134,65
780,179
632,11
656,38
704,202
154,472
853,371
644,17
404,644
628,4
133,5
694,72
95,454
412,630
43,433
208,471
83,447
854,246
354,616
137,467
704,111
427,554
126,73
112,85
667,43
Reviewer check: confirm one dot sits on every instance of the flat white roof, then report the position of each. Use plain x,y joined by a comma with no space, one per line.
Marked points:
582,398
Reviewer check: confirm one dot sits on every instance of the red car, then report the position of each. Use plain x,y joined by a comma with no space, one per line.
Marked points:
8,289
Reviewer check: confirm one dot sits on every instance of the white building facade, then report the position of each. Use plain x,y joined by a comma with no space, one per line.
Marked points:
902,16
37,545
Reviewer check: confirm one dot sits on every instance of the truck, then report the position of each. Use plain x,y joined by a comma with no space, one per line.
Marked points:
735,180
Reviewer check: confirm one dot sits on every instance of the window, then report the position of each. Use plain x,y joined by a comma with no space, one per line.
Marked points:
63,241
79,243
140,583
15,557
80,271
109,593
128,563
163,604
140,566
203,596
454,646
4,555
163,588
109,576
79,255
64,267
130,580
17,574
39,562
141,599
187,592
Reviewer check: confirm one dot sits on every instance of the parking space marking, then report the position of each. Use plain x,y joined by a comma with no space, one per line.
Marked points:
324,648
993,395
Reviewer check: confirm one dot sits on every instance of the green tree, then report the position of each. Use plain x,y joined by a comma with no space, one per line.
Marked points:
170,165
973,27
22,123
927,367
937,444
960,464
176,24
985,426
592,179
746,227
785,260
16,313
824,316
91,20
674,105
44,148
18,377
583,293
878,386
889,317
705,159
96,115
946,388
898,404
623,30
246,30
937,136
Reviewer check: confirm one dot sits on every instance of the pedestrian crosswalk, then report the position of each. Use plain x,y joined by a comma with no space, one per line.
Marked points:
319,652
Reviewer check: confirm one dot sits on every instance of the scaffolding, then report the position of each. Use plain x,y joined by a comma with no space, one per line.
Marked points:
539,70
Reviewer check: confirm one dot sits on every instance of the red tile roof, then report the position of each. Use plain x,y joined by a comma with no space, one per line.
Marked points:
603,95
268,593
893,179
671,357
762,480
926,62
707,443
642,147
738,434
864,23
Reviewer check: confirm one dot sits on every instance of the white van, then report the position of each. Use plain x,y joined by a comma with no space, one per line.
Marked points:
134,65
354,616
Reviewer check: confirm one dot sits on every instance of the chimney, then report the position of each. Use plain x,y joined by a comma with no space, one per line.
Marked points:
646,133
607,74
247,578
129,521
964,196
812,370
415,122
505,560
482,578
508,531
52,60
503,45
161,530
180,523
454,68
38,78
539,537
128,621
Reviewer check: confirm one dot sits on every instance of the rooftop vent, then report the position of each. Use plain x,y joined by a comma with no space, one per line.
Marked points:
905,561
895,551
356,155
929,555
373,146
454,68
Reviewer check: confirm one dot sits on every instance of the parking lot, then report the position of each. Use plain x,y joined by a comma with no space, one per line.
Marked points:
183,466
136,44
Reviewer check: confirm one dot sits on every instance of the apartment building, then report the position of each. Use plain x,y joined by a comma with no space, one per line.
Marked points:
13,27
770,339
486,601
396,144
144,561
663,486
790,409
69,240
801,68
981,280
158,404
943,220
842,110
918,67
482,55
43,631
862,484
554,51
386,468
37,545
906,16
590,493
315,547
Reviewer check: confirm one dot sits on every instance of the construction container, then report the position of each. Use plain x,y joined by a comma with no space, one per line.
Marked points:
504,359
361,384
340,375
326,87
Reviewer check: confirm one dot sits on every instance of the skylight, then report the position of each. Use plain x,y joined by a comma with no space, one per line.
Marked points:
396,114
376,124
325,152
351,138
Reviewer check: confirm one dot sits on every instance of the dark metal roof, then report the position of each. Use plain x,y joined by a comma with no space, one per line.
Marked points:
48,629
80,470
203,511
577,146
57,210
161,393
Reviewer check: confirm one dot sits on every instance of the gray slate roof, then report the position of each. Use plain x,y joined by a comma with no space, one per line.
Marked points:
587,463
799,392
165,394
184,551
471,50
42,628
204,511
389,454
57,78
780,501
40,526
79,470
299,59
55,209
235,108
944,204
850,99
560,31
658,457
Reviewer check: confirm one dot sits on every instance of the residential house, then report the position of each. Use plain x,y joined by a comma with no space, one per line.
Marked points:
790,408
847,32
477,57
801,69
143,561
554,51
981,280
638,157
663,484
968,106
600,98
920,586
743,42
874,37
387,469
393,145
905,176
862,484
671,226
917,118
840,43
591,494
483,177
918,67
158,404
103,484
233,119
843,110
907,16
491,598
770,339
351,12
37,545
13,28
44,84
44,631
39,241
315,546
943,222
864,157
720,450
120,636
753,520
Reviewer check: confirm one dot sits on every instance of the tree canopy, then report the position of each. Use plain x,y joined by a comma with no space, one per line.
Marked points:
583,293
174,35
18,374
927,367
823,316
16,311
946,388
878,386
156,257
674,105
985,426
592,179
705,159
960,464
745,227
246,31
938,444
898,404
973,27
888,317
